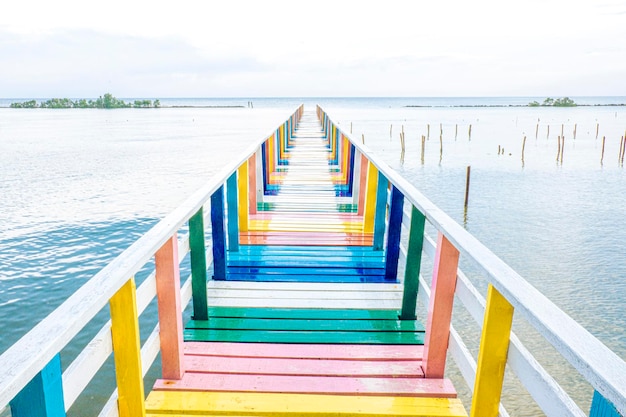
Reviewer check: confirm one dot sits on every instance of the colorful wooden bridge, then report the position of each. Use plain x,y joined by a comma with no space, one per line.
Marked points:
305,259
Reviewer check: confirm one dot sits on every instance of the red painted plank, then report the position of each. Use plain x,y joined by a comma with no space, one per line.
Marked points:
277,350
415,387
303,367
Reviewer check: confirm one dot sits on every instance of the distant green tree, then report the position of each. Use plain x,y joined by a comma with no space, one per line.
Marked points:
564,102
534,104
157,103
548,102
25,105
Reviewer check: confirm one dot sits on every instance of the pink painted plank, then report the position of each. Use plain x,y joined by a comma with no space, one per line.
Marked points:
362,185
278,350
169,306
303,367
415,387
440,308
252,184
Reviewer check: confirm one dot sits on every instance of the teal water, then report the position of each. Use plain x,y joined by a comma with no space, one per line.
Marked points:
78,186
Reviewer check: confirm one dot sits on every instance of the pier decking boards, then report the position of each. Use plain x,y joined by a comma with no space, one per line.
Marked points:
304,304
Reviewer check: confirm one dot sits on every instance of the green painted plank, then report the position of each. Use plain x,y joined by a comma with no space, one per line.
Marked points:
272,336
413,264
198,265
303,313
307,325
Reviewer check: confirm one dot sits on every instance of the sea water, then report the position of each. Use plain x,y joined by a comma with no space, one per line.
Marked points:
79,186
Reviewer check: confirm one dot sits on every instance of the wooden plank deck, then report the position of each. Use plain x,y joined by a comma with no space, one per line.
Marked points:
305,322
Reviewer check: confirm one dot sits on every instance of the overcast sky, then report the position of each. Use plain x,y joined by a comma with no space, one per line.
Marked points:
241,48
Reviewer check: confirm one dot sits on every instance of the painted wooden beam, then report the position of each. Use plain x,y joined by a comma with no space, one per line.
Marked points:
252,185
492,355
243,196
218,235
393,236
169,307
370,198
197,250
380,213
308,405
232,213
127,351
43,395
601,407
413,264
440,308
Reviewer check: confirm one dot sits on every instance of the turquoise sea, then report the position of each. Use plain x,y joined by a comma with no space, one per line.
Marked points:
79,185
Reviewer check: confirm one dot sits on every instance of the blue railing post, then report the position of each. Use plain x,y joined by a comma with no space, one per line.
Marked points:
393,234
218,234
233,213
43,395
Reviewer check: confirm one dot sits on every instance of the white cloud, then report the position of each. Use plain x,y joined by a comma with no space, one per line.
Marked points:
286,48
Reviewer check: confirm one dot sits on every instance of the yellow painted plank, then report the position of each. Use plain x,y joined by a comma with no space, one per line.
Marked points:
242,186
127,351
370,198
494,346
261,404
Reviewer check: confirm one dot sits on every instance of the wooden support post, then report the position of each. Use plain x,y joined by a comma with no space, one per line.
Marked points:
127,351
197,251
370,198
440,308
413,265
380,213
252,188
169,305
232,211
363,169
394,232
494,346
467,185
218,235
601,407
43,395
242,187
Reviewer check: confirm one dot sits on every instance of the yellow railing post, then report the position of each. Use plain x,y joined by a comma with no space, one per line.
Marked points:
494,346
127,351
242,186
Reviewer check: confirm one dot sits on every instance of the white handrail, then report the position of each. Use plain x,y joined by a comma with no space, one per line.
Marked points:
24,359
600,366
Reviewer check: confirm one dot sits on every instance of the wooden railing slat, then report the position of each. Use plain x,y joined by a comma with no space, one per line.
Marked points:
440,308
125,336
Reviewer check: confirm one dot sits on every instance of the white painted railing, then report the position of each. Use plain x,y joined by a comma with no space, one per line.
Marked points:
596,363
34,351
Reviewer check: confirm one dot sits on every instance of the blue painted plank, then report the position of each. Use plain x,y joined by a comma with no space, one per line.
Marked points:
218,234
43,395
601,407
394,233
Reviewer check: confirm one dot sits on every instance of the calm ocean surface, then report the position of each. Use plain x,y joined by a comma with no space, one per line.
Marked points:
78,186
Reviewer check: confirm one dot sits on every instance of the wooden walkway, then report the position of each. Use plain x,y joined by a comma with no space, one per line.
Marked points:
304,321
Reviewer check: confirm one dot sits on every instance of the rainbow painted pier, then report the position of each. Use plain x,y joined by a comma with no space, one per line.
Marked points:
306,257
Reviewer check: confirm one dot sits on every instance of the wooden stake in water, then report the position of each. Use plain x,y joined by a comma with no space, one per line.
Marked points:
440,148
562,148
469,134
363,138
562,126
597,129
440,129
548,134
390,131
428,131
620,156
350,127
558,151
537,131
575,126
602,156
523,146
467,185
423,146
456,130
